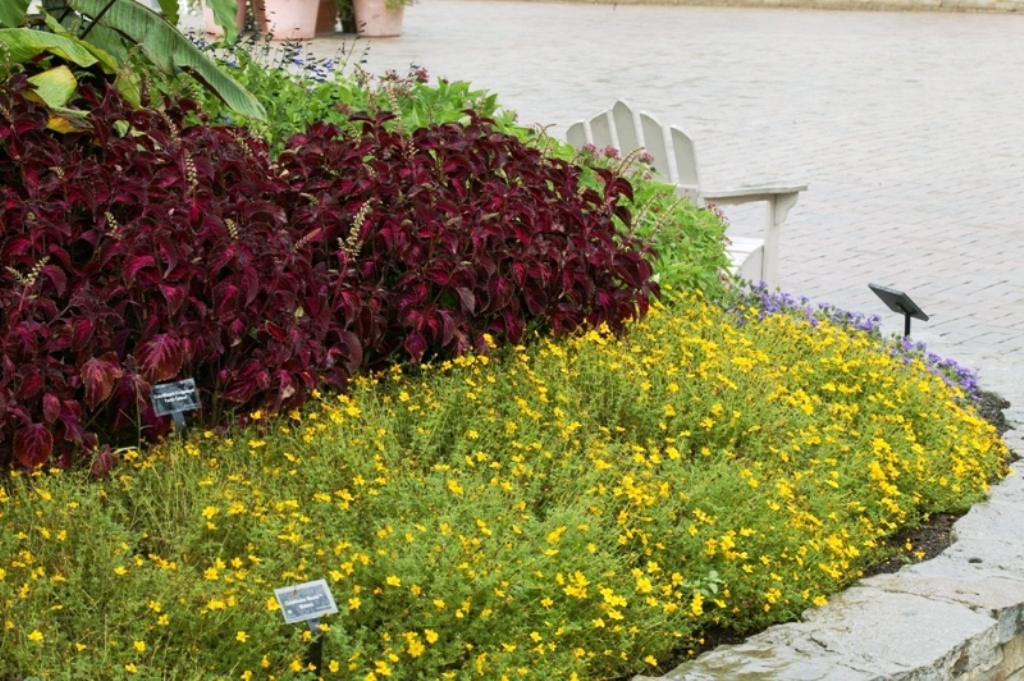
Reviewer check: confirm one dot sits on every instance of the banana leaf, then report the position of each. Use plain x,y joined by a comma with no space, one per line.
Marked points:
55,87
224,14
170,10
168,49
25,44
12,12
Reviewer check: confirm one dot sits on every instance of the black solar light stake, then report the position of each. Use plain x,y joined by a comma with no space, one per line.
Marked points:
900,302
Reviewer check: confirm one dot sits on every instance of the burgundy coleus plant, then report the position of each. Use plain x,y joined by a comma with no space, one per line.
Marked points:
461,230
144,251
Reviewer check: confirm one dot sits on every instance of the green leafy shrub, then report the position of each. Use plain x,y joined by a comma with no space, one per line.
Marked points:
298,90
581,508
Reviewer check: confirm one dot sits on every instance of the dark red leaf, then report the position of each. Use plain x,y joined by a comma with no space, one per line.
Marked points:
51,407
57,276
32,445
159,358
99,374
466,299
136,265
174,295
415,345
105,461
82,334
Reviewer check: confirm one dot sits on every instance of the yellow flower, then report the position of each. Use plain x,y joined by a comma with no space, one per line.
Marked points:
333,666
697,605
241,637
120,570
130,668
416,648
36,636
354,603
430,635
210,511
246,675
392,580
140,646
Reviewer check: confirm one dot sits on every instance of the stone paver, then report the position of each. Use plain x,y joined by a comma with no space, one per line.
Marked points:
908,127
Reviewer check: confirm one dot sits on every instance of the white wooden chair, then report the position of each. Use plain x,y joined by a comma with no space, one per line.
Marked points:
675,159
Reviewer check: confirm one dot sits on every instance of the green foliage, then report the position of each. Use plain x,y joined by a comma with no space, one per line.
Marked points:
297,90
12,12
688,242
110,37
575,509
168,49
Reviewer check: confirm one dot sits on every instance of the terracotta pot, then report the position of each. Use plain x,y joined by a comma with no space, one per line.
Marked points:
327,17
291,19
211,26
375,20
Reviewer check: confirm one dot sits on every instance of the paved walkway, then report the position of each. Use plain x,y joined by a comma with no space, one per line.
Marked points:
908,127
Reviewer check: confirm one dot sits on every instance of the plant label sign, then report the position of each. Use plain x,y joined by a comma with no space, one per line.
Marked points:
304,602
177,397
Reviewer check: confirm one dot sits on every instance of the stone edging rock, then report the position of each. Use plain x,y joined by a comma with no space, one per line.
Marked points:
1010,6
959,616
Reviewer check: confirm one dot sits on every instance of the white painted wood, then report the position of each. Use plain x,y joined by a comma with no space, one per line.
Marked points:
752,258
625,127
601,132
576,135
654,142
686,158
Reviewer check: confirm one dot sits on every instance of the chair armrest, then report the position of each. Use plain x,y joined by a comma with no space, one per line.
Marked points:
780,198
749,193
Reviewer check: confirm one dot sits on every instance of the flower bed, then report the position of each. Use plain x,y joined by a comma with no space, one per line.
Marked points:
576,508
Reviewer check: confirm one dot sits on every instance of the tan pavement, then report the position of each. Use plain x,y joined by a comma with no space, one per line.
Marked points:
908,127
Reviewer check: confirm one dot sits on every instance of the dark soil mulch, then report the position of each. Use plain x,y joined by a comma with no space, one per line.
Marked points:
927,540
